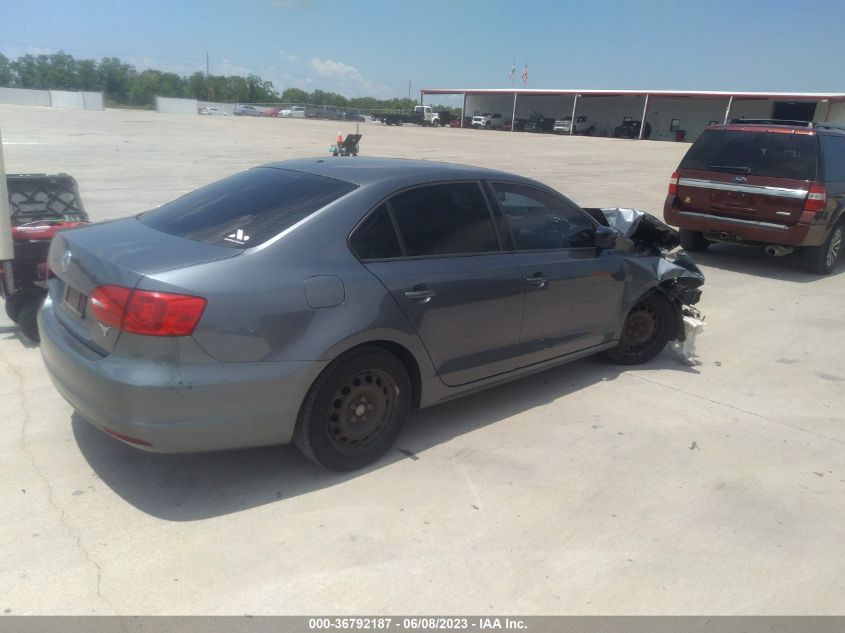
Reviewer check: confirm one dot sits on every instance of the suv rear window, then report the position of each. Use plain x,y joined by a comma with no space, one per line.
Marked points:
771,154
246,209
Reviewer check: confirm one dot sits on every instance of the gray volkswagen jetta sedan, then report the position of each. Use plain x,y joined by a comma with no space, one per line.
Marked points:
319,301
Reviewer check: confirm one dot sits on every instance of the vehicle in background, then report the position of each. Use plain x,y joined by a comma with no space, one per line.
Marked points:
211,111
247,110
631,129
447,117
562,126
353,116
271,112
539,123
293,112
39,205
318,301
421,115
488,121
583,126
761,182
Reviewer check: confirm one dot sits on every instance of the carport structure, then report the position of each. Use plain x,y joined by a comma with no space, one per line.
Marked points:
670,114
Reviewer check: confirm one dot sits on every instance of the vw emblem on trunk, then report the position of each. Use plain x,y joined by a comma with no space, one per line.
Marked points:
740,179
64,263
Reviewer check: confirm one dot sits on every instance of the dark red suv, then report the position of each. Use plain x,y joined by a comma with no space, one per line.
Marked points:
778,184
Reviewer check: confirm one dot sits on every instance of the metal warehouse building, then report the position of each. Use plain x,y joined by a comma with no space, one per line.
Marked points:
670,114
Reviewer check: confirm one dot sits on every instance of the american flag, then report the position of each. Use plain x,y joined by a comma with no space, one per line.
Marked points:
525,74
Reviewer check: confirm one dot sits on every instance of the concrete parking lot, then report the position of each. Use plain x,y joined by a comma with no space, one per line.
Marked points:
587,489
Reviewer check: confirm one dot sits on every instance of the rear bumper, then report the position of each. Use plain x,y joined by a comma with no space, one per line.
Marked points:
803,233
176,407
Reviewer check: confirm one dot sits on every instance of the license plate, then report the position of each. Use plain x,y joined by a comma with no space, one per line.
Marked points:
75,301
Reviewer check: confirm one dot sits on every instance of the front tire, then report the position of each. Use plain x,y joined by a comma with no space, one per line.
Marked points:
694,241
647,328
821,260
355,410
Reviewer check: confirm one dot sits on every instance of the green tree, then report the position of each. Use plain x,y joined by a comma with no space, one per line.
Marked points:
294,95
116,78
7,74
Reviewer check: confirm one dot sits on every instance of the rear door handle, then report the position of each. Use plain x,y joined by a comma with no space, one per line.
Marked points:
538,282
420,295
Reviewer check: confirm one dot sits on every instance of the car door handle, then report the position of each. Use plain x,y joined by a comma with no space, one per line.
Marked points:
420,295
537,282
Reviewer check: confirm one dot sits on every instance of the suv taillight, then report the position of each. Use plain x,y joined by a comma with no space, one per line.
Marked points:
673,183
146,312
816,198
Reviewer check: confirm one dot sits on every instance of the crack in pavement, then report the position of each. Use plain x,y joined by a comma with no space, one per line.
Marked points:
736,408
50,492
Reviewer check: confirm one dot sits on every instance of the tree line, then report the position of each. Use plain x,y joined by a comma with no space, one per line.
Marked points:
123,84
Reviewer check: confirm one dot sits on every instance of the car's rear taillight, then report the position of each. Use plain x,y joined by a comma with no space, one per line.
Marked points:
673,183
146,312
816,198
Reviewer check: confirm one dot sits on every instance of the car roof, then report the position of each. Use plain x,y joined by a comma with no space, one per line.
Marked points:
364,171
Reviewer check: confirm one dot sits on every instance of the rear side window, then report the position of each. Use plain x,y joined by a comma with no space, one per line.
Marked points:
246,209
376,237
770,154
833,151
445,219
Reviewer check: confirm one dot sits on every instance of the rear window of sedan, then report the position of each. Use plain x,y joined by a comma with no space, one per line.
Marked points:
246,209
772,154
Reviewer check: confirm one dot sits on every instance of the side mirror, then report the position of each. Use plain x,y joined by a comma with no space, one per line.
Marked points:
606,237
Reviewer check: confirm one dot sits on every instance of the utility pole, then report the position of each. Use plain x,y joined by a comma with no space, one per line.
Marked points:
409,90
207,81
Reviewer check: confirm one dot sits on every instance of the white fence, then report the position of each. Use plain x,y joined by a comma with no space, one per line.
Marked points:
54,98
169,105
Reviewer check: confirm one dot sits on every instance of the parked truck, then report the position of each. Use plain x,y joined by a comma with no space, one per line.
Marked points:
421,115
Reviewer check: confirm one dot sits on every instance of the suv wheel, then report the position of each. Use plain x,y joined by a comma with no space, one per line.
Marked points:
694,241
355,410
647,329
821,260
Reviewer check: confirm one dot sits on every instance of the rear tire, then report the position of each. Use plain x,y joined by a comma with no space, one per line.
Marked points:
355,410
28,320
647,328
821,260
694,241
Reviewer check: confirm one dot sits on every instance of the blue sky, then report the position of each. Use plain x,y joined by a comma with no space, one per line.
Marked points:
377,47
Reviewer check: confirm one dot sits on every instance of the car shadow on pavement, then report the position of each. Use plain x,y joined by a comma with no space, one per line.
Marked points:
196,486
749,260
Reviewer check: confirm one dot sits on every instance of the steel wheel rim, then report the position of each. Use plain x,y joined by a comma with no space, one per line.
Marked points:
641,327
834,248
360,410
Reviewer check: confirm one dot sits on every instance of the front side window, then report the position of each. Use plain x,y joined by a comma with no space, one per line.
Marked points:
444,219
540,221
246,209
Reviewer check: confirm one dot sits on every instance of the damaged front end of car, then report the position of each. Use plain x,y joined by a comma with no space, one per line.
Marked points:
653,260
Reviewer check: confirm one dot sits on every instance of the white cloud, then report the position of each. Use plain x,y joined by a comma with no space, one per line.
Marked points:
337,71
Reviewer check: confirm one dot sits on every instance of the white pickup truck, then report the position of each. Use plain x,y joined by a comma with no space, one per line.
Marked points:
488,121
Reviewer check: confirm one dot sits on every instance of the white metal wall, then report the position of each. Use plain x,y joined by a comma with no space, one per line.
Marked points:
225,108
67,100
169,105
93,100
605,113
21,96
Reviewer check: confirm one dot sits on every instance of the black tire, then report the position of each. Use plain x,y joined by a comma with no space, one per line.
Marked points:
15,304
28,319
488,125
647,328
329,429
694,241
821,260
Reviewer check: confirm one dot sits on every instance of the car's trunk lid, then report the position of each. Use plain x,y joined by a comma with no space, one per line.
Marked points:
116,253
759,198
